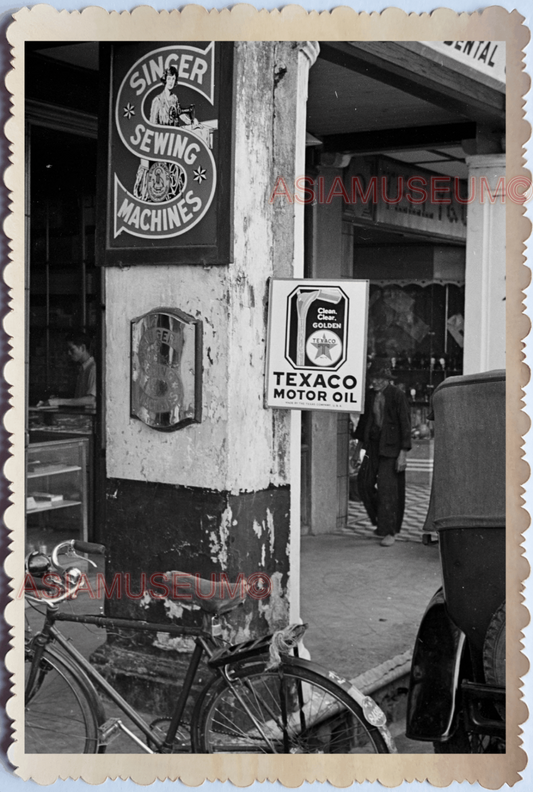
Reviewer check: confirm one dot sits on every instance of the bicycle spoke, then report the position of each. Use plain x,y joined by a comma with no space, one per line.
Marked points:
292,711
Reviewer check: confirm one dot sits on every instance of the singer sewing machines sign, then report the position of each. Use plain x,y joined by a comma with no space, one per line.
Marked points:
169,152
317,344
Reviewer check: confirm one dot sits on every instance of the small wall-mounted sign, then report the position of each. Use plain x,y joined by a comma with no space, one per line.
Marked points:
166,369
317,344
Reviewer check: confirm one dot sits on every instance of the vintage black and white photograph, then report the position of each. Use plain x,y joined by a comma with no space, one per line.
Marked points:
265,399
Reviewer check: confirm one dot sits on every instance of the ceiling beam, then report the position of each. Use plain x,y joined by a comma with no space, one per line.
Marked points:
397,139
58,118
408,71
56,83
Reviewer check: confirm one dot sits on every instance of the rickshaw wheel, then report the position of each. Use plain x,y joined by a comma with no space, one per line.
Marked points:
494,653
494,648
464,742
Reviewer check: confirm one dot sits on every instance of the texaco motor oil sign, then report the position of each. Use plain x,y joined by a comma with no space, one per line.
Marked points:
317,344
168,145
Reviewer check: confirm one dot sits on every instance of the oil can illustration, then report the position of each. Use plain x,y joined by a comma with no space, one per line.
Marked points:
317,327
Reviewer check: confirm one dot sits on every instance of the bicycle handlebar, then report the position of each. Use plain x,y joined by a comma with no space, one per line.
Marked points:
71,575
68,593
71,546
88,547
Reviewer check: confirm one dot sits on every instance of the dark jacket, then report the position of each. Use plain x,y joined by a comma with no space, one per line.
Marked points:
396,430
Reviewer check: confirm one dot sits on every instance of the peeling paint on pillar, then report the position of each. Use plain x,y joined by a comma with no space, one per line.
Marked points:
219,540
196,455
275,611
239,446
202,533
213,497
178,644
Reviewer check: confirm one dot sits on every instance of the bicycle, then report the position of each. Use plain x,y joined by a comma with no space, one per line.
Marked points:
260,699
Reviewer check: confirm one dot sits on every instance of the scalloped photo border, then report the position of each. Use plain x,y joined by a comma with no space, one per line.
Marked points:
245,23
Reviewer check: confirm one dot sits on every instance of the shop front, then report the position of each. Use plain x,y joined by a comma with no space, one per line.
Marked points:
158,239
413,254
153,225
404,188
63,297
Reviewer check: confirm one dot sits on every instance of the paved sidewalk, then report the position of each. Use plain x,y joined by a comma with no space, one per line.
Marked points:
416,506
364,602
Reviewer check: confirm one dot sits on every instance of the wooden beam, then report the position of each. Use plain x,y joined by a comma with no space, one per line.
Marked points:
408,71
57,83
397,139
60,118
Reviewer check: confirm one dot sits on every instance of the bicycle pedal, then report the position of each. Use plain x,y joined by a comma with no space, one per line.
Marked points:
109,730
182,738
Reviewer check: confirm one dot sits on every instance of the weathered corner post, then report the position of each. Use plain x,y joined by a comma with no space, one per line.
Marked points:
189,231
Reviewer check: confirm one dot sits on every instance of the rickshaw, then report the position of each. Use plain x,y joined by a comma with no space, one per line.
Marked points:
457,682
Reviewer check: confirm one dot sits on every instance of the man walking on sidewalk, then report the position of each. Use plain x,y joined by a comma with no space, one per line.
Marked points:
384,430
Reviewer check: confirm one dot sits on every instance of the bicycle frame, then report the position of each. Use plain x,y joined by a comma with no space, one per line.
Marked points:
232,663
49,633
222,658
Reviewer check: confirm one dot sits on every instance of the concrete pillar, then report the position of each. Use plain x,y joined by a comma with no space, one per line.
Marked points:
324,439
216,496
484,347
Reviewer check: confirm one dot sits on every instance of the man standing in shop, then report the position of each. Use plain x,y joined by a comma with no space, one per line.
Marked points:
85,392
384,430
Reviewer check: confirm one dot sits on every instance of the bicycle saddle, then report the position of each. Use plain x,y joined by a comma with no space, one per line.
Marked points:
212,596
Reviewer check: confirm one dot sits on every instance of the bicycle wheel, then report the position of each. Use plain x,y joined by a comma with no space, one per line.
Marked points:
59,716
288,710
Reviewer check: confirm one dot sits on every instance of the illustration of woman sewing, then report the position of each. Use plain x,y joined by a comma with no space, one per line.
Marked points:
163,181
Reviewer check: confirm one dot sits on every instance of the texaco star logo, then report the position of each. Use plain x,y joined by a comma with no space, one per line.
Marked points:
323,346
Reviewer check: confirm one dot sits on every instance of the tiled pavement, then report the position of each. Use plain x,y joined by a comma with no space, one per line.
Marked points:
416,506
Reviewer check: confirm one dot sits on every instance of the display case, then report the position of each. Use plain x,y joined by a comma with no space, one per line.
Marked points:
57,491
63,279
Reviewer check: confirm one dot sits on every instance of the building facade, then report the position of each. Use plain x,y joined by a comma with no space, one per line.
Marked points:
225,487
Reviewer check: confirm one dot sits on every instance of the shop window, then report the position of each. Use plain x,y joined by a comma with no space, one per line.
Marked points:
63,278
420,328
